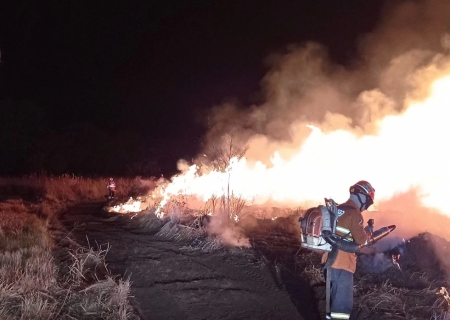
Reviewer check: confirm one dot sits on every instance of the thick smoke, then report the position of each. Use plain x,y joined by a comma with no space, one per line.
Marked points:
304,86
411,217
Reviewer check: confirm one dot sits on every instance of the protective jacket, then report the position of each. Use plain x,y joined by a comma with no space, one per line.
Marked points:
351,226
111,186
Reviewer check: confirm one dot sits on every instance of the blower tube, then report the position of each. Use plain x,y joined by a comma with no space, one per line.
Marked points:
351,246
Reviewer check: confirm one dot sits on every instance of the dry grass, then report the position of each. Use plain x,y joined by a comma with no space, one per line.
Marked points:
146,221
187,233
168,230
211,243
30,285
68,188
393,296
385,298
177,207
194,233
20,228
313,274
107,299
444,298
233,206
209,207
86,264
104,299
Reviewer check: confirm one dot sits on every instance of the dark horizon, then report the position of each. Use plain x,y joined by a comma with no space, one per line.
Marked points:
94,89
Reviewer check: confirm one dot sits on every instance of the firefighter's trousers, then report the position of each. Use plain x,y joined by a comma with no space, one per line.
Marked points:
341,295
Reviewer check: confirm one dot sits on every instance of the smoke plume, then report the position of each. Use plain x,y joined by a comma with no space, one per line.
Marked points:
303,86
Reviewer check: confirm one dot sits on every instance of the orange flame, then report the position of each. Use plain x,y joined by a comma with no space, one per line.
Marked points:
408,151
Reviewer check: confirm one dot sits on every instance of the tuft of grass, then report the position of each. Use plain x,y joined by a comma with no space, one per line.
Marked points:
383,297
20,229
209,207
86,264
168,230
187,233
27,268
313,274
91,293
386,298
37,306
30,285
233,205
212,243
111,295
443,299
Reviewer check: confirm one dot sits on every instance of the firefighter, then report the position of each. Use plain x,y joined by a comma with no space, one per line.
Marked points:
369,228
340,265
111,188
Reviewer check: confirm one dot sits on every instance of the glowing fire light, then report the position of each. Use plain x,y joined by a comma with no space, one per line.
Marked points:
130,206
408,151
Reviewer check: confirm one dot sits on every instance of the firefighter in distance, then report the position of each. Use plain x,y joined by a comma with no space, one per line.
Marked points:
111,188
369,229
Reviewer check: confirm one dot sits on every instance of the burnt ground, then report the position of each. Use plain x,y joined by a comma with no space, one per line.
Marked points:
172,280
273,279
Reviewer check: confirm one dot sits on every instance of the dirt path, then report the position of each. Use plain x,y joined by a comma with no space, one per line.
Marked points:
171,281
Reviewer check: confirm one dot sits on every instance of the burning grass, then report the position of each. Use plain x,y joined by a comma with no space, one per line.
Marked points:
179,222
211,225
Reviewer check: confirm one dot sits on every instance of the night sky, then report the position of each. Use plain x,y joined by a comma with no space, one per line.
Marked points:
133,80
